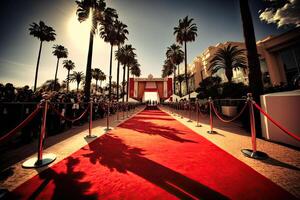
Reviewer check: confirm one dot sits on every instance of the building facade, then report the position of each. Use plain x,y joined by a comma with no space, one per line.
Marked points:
279,59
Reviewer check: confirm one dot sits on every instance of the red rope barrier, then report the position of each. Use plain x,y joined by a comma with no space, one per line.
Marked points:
230,120
276,123
21,125
66,118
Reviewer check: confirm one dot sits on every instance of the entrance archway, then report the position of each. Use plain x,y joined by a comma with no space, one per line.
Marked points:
151,97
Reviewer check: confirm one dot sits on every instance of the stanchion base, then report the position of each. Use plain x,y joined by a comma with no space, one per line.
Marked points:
212,132
90,136
181,117
189,120
255,155
32,162
198,125
108,129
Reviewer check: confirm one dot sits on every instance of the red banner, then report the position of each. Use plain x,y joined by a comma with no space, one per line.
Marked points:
131,87
170,87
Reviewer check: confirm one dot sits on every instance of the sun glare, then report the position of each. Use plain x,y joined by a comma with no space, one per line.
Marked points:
79,32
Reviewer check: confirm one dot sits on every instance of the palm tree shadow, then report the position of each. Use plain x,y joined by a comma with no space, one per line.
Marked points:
150,128
275,162
67,185
110,151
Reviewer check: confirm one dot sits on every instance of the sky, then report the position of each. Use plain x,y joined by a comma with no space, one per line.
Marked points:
150,23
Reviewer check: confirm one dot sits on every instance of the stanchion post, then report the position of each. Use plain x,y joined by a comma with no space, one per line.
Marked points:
107,116
198,114
190,111
42,159
118,117
211,117
248,152
181,112
91,120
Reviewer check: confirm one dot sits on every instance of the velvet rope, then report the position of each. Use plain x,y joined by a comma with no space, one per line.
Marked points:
66,118
21,125
276,123
229,120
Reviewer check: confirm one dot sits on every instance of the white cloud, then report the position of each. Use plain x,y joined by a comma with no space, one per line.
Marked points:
289,14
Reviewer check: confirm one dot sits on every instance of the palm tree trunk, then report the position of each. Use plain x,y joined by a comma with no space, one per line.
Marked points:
68,80
88,73
77,87
254,76
118,74
127,96
37,66
55,76
185,70
110,69
174,75
123,84
180,92
96,85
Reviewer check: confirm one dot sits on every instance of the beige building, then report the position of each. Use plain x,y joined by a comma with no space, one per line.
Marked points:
279,58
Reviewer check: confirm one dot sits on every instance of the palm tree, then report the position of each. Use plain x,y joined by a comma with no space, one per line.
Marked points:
102,77
60,52
180,78
168,68
186,31
135,70
96,74
114,86
228,58
125,55
43,33
120,38
96,9
108,32
48,85
78,77
176,55
69,65
254,76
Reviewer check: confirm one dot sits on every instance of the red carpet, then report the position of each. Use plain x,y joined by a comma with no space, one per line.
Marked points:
151,156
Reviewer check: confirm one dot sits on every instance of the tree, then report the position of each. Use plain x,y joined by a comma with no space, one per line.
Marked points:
48,85
135,70
228,58
69,65
43,33
176,55
96,9
102,77
254,76
186,31
109,32
120,38
180,78
125,55
168,68
96,74
255,80
78,77
60,52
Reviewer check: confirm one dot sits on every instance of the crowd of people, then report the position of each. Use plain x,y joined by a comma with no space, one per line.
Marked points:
16,104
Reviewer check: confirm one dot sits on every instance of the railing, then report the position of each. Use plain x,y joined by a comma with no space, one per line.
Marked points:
181,108
59,109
